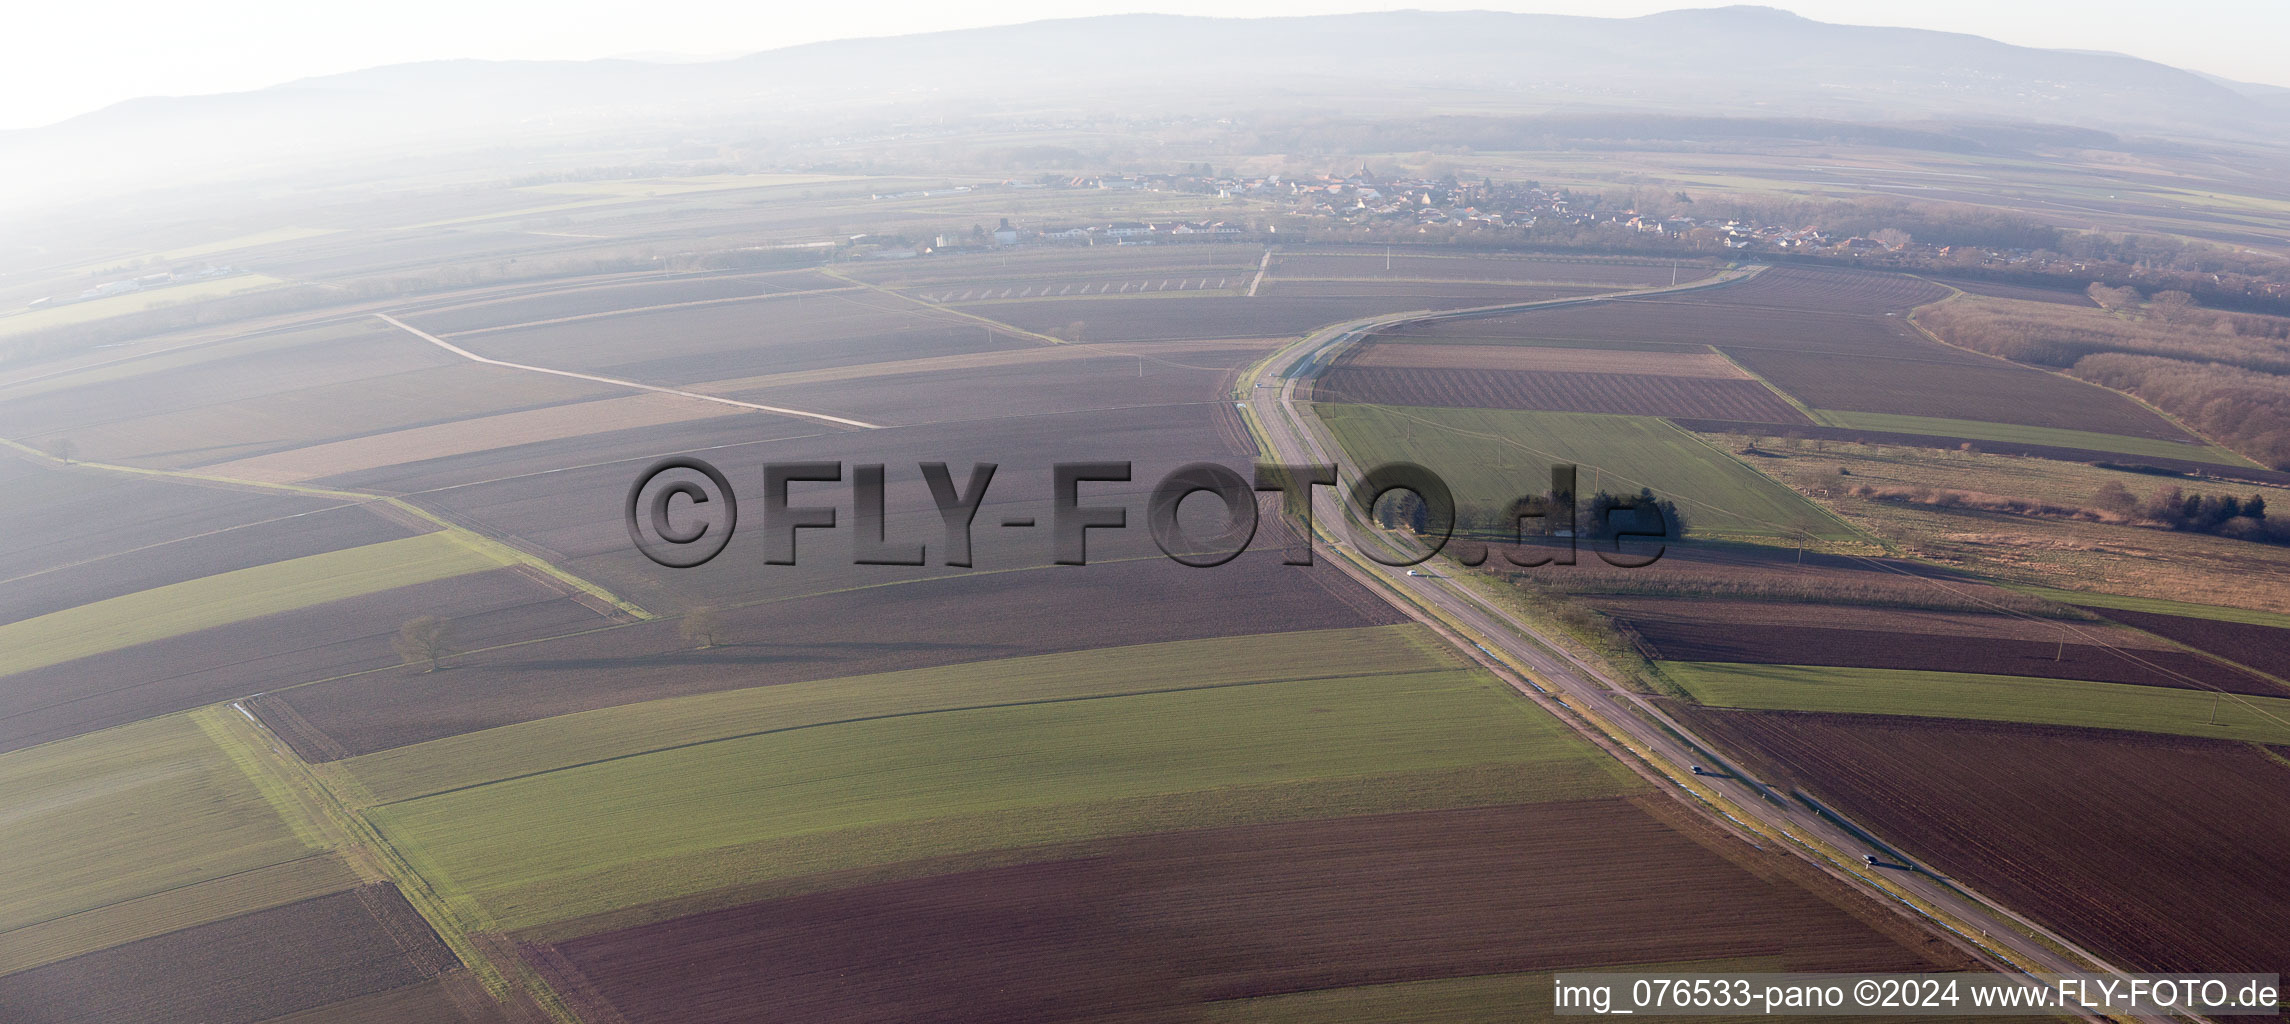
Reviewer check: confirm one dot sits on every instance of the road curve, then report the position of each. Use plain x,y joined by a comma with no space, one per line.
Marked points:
1592,701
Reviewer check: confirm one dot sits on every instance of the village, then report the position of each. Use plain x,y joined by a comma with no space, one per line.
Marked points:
1365,207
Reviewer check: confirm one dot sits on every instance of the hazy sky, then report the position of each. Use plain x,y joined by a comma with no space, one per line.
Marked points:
62,59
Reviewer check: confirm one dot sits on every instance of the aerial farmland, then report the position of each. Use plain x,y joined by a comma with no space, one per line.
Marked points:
658,560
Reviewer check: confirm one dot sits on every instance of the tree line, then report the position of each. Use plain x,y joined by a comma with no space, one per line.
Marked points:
2167,508
2174,508
2225,374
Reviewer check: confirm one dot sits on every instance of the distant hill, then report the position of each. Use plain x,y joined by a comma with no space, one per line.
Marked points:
1735,61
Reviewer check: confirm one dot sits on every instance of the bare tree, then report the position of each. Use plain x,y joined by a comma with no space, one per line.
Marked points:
2112,298
2171,307
701,625
63,449
426,639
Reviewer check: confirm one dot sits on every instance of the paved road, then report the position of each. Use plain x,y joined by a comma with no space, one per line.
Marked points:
1603,708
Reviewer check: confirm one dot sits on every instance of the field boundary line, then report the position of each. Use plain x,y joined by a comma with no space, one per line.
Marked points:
1785,396
298,816
1263,266
629,311
927,304
922,713
2247,461
466,354
638,620
357,838
500,550
17,955
178,540
544,287
2152,605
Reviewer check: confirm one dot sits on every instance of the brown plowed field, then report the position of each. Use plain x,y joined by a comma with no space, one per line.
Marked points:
56,516
630,449
1547,360
1834,288
245,399
1697,319
488,433
1154,925
1180,315
1190,383
176,544
575,516
1798,309
1041,359
1719,640
773,335
2158,853
1405,295
1658,613
880,629
2022,292
594,299
1633,394
1993,392
1033,266
2261,647
246,969
1404,265
453,999
133,683
265,364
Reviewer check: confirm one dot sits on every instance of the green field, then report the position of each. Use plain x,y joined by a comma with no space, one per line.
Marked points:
529,748
125,813
1985,698
807,800
237,596
173,910
1492,456
2156,605
1980,431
